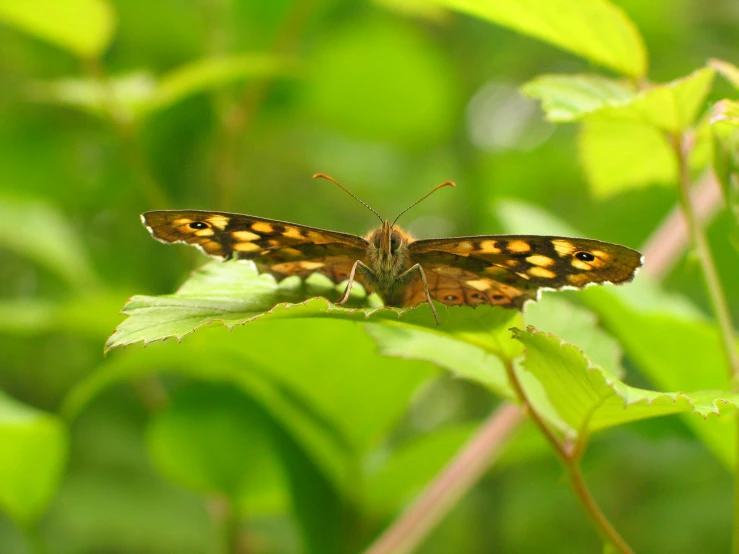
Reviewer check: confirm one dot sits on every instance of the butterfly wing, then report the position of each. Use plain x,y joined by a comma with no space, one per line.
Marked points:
278,247
516,266
456,286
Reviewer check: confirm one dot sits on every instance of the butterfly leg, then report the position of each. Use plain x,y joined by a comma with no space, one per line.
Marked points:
406,274
358,264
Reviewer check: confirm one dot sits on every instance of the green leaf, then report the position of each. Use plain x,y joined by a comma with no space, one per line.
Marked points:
127,96
673,346
726,111
588,400
211,438
577,325
727,70
212,73
596,30
623,155
48,238
89,315
136,96
671,107
329,389
233,293
570,97
725,134
83,27
34,453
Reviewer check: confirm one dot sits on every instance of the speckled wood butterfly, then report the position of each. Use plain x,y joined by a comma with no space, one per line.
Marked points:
502,270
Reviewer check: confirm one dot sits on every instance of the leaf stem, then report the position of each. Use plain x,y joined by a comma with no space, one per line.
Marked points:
463,471
710,275
570,458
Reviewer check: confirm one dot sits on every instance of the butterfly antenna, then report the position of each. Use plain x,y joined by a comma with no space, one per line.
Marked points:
335,182
437,187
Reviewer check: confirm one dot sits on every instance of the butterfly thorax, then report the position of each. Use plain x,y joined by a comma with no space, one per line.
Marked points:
388,257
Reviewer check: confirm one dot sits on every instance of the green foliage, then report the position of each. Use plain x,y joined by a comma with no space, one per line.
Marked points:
34,454
84,27
596,30
239,413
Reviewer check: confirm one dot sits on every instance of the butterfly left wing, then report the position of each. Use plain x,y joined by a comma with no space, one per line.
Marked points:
525,263
278,247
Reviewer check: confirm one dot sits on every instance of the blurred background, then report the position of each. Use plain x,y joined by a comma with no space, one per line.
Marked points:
390,98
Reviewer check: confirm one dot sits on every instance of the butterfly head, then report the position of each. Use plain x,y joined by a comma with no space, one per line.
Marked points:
388,249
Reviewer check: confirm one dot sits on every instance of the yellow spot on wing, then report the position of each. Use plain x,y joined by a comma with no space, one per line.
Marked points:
181,221
542,261
204,232
518,246
488,247
212,247
292,232
310,265
463,246
585,266
541,272
479,285
218,221
563,247
247,236
262,227
246,247
578,279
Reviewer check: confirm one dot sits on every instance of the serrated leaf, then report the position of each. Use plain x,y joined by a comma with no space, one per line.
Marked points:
32,459
674,347
596,30
83,27
48,239
571,97
623,155
233,293
587,400
727,70
671,107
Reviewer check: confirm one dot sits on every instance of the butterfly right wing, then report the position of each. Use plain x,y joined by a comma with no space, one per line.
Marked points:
278,247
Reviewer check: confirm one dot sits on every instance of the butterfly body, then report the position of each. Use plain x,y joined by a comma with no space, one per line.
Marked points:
505,270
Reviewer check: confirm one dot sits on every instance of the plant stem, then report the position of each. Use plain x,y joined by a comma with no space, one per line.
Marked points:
715,295
710,275
571,459
463,471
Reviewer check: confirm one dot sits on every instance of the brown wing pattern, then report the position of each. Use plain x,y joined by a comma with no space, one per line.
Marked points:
456,286
278,247
539,261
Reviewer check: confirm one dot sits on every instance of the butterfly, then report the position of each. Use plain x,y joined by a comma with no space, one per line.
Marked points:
501,270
